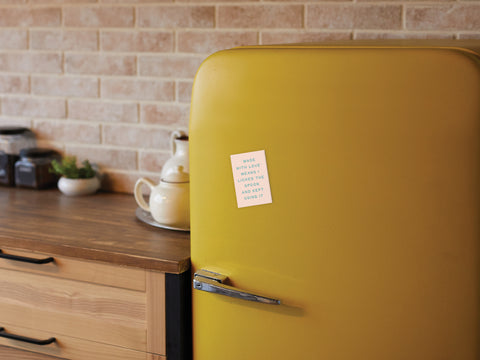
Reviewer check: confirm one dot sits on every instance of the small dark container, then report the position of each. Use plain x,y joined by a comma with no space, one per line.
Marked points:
12,140
7,167
32,170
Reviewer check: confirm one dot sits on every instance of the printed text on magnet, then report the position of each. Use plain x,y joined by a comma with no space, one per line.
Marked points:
250,175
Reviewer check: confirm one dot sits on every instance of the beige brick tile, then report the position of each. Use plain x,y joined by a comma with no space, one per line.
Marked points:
138,89
35,107
136,136
65,86
122,159
165,114
13,39
102,111
98,64
284,37
354,16
51,144
184,91
15,121
63,39
408,1
138,41
24,16
401,35
123,182
13,2
31,62
317,1
152,161
469,36
41,2
14,84
207,42
67,131
260,16
178,66
133,1
62,2
106,16
222,1
460,16
168,16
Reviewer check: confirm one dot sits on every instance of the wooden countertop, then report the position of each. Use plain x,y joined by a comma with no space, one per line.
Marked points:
100,227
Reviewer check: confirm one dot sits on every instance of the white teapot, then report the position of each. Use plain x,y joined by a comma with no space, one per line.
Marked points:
169,202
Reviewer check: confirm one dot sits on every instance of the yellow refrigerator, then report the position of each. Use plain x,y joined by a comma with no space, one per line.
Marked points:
335,202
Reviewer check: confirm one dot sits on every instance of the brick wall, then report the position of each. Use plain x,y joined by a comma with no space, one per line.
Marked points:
109,80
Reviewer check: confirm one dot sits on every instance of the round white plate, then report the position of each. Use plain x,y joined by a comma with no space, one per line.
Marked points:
147,218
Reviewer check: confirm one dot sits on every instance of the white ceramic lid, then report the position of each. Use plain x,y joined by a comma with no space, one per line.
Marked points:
176,175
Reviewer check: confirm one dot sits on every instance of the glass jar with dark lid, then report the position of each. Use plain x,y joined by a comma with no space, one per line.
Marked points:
32,170
12,140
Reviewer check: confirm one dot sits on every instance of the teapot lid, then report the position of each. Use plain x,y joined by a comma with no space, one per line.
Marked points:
178,175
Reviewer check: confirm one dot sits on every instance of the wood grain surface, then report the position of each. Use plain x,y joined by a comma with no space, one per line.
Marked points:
75,269
8,353
71,347
79,309
101,227
156,329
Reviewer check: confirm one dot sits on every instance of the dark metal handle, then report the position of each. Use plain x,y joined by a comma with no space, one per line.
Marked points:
210,281
26,259
25,339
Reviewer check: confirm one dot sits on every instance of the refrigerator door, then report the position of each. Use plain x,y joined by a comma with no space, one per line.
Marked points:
371,239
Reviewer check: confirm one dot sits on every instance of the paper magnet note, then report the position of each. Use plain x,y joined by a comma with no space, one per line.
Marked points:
250,175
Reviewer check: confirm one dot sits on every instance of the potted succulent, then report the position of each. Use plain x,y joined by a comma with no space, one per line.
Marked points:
75,180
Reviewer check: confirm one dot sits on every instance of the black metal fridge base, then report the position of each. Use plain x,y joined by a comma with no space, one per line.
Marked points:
178,307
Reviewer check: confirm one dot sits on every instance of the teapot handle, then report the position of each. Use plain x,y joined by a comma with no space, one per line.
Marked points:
175,135
139,195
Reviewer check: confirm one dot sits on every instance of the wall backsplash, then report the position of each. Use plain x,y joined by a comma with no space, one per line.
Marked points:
109,80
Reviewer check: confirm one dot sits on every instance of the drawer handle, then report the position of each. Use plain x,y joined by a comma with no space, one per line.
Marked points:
25,259
25,339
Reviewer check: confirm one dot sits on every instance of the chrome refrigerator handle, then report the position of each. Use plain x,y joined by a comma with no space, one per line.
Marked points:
213,282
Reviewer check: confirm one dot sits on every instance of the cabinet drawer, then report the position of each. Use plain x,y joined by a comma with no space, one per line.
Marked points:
73,348
115,306
74,269
89,311
7,352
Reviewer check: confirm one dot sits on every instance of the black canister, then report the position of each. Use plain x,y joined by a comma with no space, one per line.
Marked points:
33,168
12,140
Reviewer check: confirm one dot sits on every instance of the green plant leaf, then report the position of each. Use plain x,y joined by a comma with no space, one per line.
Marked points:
68,168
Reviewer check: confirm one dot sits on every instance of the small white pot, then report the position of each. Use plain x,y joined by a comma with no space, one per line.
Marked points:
76,187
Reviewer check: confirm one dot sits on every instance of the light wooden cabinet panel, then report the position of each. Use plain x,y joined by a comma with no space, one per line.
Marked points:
74,269
156,331
70,347
89,311
88,320
8,353
155,357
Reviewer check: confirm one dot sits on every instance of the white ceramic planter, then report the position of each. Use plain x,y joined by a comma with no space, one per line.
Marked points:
77,187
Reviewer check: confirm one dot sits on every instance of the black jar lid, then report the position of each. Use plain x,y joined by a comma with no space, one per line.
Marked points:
36,153
13,130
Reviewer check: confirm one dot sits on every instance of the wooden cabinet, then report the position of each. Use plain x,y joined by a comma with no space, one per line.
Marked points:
12,353
80,301
124,309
